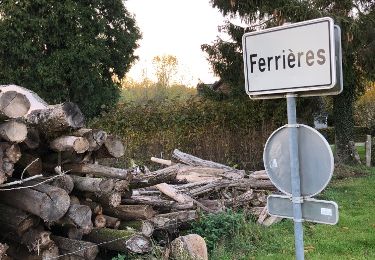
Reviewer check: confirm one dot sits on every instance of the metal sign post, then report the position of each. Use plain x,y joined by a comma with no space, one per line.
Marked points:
296,182
301,59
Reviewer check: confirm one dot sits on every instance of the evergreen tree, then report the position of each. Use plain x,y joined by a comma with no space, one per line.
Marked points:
67,49
357,22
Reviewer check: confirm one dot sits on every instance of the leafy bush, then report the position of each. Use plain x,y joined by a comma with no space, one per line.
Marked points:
229,132
215,227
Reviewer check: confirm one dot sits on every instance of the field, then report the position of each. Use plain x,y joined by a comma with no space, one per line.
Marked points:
352,238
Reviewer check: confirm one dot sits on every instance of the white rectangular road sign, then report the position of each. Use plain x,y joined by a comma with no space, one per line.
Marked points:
290,59
318,211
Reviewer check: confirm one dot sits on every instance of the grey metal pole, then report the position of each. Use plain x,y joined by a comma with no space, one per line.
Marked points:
295,176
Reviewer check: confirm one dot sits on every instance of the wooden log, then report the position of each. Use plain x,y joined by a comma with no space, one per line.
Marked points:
64,182
46,201
70,143
36,239
195,161
158,203
100,221
57,118
32,163
124,240
111,222
112,199
74,200
35,101
13,131
78,216
75,233
3,250
173,193
3,177
246,184
130,212
95,137
32,139
95,207
173,219
143,226
99,170
13,104
84,249
112,148
18,252
121,186
7,167
11,151
93,184
15,220
161,161
166,175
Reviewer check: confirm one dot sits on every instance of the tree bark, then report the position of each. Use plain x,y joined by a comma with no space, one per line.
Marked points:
14,104
78,216
95,207
167,174
100,221
15,220
127,240
96,138
46,201
57,118
158,203
130,212
111,222
344,124
70,143
99,170
64,182
11,151
173,219
143,226
93,184
36,239
112,199
84,249
195,161
13,131
113,147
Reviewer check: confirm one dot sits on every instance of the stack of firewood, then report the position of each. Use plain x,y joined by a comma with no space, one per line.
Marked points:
56,199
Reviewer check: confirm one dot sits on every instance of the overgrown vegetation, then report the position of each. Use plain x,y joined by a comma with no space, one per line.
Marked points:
229,132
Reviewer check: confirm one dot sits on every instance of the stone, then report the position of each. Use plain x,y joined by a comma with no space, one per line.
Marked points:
189,247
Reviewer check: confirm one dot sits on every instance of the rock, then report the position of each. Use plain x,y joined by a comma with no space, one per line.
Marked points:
189,247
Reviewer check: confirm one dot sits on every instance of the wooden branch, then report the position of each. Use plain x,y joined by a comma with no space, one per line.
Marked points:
84,249
130,212
158,203
78,216
100,221
164,175
111,222
11,151
173,193
64,182
173,219
99,170
124,240
93,184
32,163
13,104
70,143
13,131
161,161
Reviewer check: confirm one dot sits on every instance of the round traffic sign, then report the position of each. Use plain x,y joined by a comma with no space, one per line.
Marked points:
315,160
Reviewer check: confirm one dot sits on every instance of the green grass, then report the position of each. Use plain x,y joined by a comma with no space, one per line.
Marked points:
352,238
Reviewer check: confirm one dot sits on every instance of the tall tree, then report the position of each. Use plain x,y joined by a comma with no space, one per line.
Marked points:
67,49
356,19
165,69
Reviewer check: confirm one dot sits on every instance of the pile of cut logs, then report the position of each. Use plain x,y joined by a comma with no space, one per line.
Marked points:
58,202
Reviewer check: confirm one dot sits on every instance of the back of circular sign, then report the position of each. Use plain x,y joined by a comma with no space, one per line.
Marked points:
315,160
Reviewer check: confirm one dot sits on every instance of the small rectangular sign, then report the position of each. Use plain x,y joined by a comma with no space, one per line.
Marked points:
290,59
318,211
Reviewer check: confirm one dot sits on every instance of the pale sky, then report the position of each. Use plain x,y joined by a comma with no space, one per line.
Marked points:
176,27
